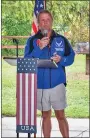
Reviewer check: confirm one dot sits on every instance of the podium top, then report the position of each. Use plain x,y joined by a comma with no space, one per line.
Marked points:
41,63
46,63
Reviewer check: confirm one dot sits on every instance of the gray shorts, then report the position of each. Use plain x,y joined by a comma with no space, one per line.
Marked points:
53,97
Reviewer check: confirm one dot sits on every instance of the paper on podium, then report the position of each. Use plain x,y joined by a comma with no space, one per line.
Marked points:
46,63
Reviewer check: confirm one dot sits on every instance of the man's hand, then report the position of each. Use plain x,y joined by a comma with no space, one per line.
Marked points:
43,42
56,58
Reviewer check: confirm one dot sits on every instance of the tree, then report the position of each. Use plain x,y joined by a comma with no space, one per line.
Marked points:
16,17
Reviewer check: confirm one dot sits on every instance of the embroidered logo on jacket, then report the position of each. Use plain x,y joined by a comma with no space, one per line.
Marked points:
59,46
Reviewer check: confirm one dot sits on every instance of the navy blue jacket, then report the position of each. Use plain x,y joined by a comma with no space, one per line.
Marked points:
49,78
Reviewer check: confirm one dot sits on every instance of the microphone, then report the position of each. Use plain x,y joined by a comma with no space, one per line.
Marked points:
44,32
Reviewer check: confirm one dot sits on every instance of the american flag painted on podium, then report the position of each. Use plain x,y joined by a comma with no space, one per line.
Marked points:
39,5
26,105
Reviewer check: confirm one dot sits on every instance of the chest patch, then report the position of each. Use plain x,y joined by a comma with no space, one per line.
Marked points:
59,46
59,49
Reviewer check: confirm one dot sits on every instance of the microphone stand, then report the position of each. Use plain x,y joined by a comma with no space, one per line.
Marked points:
16,42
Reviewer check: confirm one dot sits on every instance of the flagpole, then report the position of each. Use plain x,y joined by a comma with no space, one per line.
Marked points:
45,3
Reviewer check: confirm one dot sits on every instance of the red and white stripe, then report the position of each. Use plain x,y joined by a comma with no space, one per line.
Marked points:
26,99
34,26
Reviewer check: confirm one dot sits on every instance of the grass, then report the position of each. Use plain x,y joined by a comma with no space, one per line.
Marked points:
77,89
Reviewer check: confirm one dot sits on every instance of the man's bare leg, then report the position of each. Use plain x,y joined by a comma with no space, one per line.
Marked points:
46,124
63,124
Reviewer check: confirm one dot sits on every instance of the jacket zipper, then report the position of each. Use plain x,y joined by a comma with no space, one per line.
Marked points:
49,54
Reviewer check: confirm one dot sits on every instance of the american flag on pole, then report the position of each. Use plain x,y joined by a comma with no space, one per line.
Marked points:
39,5
26,90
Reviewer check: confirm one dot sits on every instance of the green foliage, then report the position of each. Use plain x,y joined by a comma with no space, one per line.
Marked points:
16,21
16,17
12,52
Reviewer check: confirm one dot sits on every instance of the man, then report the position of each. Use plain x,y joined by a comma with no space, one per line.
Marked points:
51,82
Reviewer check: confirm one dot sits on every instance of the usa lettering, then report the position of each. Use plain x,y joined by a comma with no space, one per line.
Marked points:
23,128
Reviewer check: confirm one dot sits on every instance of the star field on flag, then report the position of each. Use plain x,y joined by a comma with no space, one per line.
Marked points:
26,65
